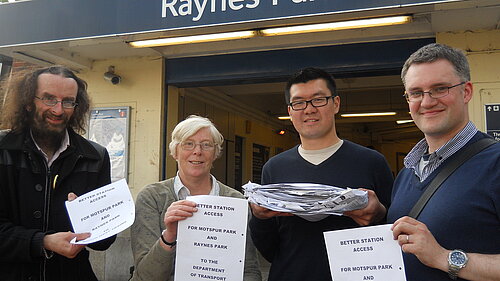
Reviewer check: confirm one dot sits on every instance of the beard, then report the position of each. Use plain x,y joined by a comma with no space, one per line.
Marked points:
47,134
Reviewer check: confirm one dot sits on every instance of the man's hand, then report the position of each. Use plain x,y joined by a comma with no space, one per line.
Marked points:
415,238
71,196
372,213
59,243
263,213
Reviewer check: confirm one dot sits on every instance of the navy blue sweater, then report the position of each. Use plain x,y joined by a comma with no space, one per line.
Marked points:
295,246
464,213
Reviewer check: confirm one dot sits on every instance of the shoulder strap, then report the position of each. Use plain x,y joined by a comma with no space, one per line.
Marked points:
460,158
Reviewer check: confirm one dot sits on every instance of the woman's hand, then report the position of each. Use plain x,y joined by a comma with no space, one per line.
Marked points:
177,211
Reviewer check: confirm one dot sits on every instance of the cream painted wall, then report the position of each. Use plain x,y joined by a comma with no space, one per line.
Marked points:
483,52
141,88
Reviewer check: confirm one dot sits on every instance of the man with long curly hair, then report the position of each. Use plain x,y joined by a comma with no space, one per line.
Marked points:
43,163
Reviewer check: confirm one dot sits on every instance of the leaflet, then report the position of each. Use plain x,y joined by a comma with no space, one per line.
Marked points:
306,199
364,253
211,243
103,212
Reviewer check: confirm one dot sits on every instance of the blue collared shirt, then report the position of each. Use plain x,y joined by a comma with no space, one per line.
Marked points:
424,167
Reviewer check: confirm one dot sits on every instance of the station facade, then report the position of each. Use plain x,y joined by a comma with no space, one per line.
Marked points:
239,83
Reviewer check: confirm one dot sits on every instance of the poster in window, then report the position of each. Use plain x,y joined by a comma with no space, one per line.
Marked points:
109,127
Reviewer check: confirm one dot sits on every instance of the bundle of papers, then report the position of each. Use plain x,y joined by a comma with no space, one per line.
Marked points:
307,200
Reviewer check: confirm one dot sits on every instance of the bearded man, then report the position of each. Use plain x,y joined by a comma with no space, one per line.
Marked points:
43,163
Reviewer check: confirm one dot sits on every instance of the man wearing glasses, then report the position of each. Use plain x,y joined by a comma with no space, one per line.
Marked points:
43,163
295,245
457,233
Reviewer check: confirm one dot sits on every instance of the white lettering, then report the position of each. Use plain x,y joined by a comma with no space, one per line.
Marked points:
254,5
197,8
212,6
185,9
200,9
170,6
235,7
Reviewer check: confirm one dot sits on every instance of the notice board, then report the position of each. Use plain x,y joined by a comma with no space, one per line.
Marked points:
492,119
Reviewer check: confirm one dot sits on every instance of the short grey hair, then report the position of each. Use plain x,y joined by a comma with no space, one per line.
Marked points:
190,126
435,51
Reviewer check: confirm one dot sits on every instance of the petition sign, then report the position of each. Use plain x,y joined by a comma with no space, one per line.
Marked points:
365,253
211,243
103,212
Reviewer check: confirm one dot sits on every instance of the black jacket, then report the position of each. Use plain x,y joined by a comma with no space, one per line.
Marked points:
32,200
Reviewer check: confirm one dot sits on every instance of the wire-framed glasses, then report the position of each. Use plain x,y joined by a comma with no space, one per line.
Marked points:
436,93
49,101
316,102
191,145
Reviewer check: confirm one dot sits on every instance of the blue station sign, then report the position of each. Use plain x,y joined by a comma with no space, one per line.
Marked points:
37,21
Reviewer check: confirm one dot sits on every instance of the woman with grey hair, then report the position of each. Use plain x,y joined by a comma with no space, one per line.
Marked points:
195,144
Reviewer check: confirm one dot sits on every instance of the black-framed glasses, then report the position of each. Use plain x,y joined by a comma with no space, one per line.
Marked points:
49,101
435,93
191,145
316,102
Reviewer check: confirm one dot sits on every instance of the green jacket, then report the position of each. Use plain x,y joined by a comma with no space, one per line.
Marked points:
152,261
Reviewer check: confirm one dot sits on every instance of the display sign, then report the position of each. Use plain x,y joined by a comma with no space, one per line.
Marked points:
211,243
109,127
365,253
492,112
103,212
55,20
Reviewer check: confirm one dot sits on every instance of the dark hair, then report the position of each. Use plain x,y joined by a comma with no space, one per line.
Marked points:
308,74
435,51
21,94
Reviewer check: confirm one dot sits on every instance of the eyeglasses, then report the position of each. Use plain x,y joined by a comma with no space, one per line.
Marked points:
48,101
435,93
316,102
191,145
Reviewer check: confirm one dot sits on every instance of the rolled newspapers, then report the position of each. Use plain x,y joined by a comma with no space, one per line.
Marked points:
308,200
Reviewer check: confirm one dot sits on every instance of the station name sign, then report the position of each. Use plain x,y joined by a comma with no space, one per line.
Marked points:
191,13
198,7
59,20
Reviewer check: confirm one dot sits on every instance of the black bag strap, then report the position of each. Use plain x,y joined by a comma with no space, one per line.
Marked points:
460,158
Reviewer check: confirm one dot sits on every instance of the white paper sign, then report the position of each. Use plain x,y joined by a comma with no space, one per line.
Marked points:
103,212
365,253
211,243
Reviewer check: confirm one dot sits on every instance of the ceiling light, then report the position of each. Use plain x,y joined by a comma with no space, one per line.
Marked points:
193,39
368,114
284,118
404,121
362,23
336,25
